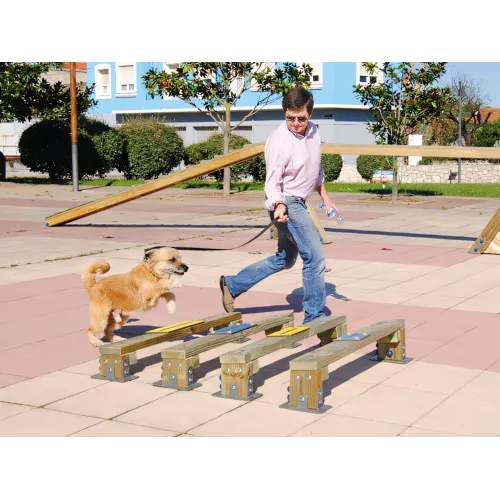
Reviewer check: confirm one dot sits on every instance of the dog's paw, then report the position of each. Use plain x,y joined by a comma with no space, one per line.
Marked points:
117,338
95,341
171,306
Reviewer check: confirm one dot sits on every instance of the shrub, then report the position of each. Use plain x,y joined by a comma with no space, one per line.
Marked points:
429,160
214,145
152,149
45,147
367,164
110,147
331,165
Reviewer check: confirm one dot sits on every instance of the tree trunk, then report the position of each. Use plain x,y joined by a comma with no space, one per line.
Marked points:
227,137
396,170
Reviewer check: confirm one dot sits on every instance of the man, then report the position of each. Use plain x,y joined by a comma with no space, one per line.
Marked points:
293,171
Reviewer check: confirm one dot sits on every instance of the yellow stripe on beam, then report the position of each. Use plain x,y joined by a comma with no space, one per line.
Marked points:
288,332
176,326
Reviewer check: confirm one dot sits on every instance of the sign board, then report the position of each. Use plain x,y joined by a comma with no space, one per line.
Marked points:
382,176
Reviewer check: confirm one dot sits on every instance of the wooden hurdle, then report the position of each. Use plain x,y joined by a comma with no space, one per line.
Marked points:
239,366
179,362
115,358
489,239
308,372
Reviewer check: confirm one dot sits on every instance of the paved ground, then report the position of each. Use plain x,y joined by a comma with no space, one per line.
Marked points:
406,261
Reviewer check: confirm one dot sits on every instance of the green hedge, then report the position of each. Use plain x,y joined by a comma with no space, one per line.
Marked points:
367,164
214,146
45,147
151,148
331,165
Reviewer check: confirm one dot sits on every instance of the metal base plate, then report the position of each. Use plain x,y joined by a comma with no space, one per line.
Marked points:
321,409
406,360
249,398
126,379
166,386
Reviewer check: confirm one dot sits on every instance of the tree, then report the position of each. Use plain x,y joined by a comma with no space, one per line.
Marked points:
405,101
25,94
473,100
215,87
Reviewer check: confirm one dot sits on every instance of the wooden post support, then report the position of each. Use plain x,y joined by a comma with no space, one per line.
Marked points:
179,361
489,239
116,367
308,372
322,233
273,232
392,348
237,366
124,353
179,373
237,380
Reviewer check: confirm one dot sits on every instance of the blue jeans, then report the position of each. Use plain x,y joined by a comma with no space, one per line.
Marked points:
298,235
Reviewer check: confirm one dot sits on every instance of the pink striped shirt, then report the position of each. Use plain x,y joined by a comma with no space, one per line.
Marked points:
293,164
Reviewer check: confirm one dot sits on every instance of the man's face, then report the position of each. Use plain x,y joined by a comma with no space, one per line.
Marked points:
300,119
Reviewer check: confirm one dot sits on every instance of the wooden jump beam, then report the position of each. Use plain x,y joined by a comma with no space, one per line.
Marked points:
115,358
308,372
179,361
251,151
489,240
239,366
203,168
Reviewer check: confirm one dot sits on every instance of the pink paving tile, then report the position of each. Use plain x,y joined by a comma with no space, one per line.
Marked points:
8,227
48,356
17,291
24,202
464,355
419,348
6,380
40,305
448,259
31,330
448,325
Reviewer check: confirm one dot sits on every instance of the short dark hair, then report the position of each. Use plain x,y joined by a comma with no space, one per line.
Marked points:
296,98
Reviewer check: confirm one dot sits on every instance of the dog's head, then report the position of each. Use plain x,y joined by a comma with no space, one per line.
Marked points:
164,261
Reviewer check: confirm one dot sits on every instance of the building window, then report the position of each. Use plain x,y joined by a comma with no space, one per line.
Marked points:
126,80
364,77
102,81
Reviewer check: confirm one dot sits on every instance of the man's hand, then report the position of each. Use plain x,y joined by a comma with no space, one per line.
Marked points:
330,204
280,213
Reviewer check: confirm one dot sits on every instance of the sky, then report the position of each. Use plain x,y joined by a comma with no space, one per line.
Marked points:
486,74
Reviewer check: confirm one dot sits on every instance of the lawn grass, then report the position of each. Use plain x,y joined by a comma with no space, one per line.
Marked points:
90,182
464,190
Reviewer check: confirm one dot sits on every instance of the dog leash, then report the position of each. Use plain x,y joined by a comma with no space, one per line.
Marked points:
216,249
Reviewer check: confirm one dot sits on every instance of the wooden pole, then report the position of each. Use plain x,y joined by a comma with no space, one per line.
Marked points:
74,125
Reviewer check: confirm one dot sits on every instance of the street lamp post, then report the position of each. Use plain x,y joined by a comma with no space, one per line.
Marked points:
459,129
74,125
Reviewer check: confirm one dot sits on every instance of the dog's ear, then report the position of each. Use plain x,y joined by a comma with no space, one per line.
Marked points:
148,252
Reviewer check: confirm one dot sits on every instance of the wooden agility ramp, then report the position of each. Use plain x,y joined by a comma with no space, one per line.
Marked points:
489,239
252,151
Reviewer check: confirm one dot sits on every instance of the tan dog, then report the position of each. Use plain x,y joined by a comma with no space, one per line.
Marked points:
114,298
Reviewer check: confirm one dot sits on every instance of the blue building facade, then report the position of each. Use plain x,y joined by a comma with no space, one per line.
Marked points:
341,118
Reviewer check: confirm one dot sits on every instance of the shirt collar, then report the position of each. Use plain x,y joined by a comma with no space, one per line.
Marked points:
309,130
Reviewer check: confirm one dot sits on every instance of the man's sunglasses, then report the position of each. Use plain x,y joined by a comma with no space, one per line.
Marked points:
300,119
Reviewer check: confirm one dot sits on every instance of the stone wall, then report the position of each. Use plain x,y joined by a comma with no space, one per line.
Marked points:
446,172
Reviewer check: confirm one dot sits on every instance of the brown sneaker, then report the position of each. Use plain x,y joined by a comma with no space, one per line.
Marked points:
227,298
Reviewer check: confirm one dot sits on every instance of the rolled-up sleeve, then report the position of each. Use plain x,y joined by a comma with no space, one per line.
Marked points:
275,166
321,178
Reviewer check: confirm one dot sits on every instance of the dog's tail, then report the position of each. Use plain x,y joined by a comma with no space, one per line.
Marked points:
96,267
